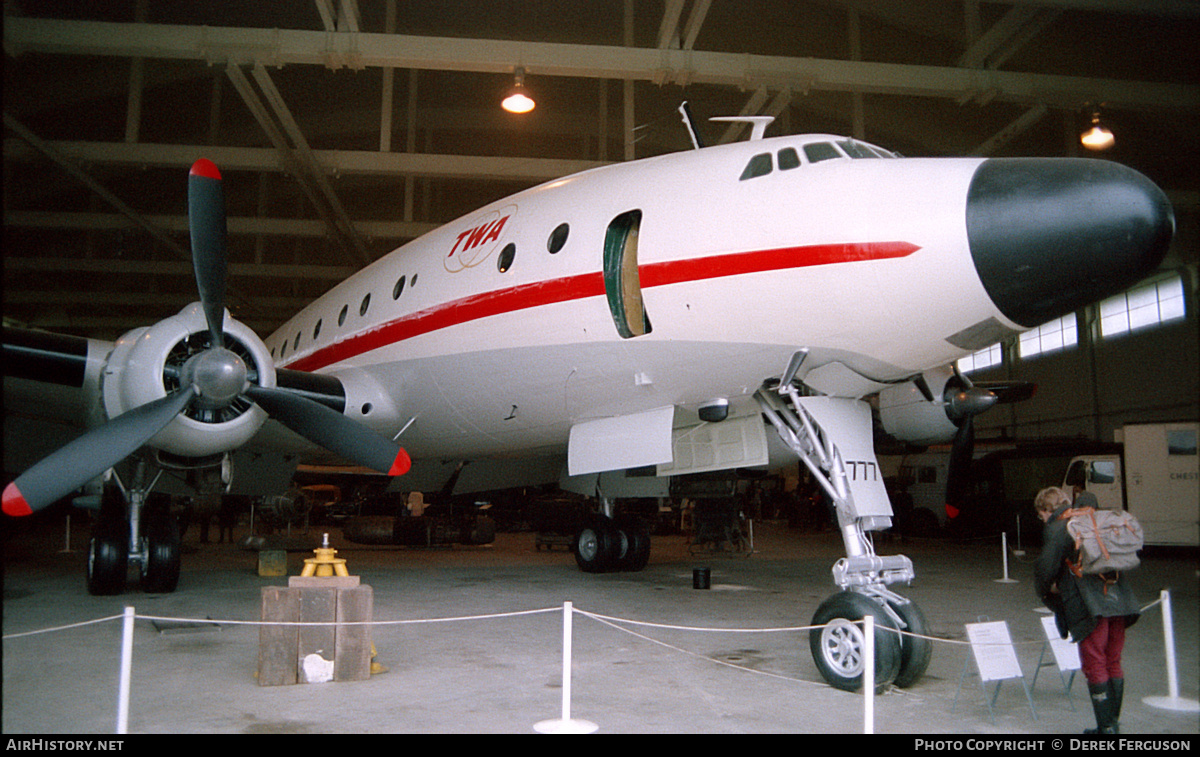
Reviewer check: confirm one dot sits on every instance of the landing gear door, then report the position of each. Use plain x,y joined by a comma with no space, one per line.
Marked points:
849,423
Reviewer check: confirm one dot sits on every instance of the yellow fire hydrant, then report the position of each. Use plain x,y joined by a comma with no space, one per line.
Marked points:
324,564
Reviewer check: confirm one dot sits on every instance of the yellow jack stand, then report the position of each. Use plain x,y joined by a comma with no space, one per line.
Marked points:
324,564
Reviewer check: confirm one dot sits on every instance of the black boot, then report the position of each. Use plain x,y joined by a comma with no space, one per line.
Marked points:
1102,705
1116,690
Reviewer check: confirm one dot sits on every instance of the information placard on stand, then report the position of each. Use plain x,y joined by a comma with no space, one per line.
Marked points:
995,659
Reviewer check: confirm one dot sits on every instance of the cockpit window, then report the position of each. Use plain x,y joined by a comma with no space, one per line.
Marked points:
759,165
856,150
788,159
818,151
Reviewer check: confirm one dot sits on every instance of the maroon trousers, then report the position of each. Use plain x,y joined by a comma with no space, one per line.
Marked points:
1100,652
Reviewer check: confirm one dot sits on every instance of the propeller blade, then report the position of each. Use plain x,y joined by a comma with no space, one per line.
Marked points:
206,220
958,473
72,466
332,430
1009,391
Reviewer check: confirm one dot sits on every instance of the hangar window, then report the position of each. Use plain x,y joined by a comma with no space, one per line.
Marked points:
1058,334
985,358
505,261
818,151
759,165
1142,307
788,159
558,238
342,315
399,288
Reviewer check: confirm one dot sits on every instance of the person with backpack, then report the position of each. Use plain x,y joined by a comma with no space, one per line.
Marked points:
1095,609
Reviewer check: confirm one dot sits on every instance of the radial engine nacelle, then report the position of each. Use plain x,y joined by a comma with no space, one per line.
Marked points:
148,363
912,414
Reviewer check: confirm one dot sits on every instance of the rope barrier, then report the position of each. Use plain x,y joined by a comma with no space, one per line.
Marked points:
616,623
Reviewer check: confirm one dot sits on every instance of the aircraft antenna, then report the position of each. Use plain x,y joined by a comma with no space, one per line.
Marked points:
690,123
758,124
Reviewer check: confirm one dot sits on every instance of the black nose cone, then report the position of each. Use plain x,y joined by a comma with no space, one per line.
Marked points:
1050,235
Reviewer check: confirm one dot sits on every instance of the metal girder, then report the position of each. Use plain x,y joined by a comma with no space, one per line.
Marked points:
1008,133
346,162
280,227
277,47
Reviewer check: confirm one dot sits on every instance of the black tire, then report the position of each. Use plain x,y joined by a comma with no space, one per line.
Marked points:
914,653
161,574
108,549
637,547
837,647
107,561
597,545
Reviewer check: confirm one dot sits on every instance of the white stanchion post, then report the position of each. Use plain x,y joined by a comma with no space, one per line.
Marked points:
1004,553
868,673
1172,701
126,670
566,724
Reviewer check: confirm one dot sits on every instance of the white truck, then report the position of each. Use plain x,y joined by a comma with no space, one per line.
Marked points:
1156,477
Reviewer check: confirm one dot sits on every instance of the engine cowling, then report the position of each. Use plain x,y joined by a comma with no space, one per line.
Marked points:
910,416
148,363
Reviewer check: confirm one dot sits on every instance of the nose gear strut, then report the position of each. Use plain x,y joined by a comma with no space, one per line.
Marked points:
832,436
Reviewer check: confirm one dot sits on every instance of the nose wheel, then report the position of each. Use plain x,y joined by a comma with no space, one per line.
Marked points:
838,646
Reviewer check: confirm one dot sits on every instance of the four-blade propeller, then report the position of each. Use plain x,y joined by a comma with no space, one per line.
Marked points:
964,400
213,378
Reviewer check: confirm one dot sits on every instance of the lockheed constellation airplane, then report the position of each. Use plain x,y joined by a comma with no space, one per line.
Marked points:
649,313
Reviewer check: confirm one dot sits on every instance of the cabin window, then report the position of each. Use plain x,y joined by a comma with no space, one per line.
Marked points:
856,150
505,261
317,330
788,159
622,282
366,303
558,238
759,165
342,315
398,289
818,151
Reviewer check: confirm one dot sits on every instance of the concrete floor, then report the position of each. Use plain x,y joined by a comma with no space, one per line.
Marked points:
503,675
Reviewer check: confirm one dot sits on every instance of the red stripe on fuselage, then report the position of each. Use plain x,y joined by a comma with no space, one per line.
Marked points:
537,294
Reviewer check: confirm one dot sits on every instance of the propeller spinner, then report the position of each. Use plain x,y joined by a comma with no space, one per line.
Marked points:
212,379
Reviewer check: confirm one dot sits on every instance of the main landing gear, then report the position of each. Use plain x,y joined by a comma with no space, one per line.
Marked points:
606,544
833,438
133,528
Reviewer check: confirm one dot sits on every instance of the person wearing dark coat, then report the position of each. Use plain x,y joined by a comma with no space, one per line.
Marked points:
1093,610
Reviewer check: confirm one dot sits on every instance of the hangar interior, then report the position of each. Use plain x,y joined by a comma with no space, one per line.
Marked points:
344,129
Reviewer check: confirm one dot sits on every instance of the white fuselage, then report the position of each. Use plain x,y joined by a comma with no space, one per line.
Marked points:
863,262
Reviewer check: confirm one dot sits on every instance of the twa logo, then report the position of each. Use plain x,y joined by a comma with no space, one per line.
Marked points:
474,244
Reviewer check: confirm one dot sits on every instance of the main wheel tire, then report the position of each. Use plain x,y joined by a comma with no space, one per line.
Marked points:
597,545
107,561
161,575
838,645
637,546
915,653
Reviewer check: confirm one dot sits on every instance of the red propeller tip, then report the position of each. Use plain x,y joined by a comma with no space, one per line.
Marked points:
951,511
206,168
399,467
14,502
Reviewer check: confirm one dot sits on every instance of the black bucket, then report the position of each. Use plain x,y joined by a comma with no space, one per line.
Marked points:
701,578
